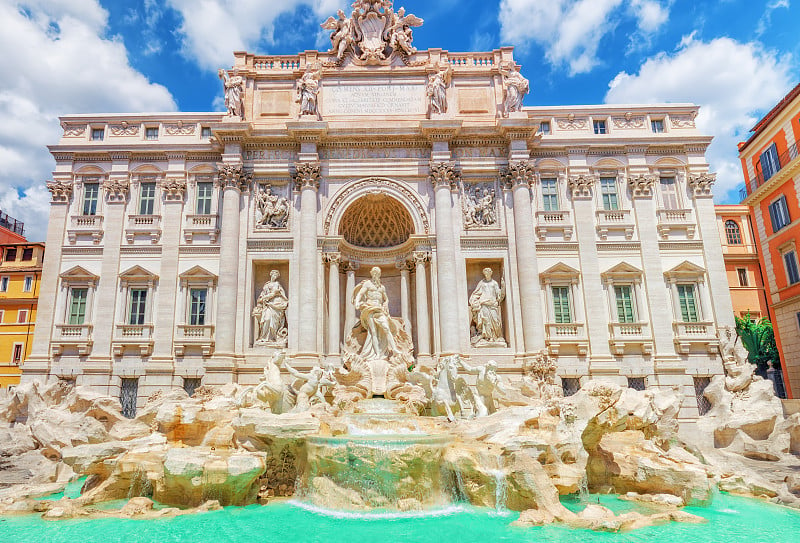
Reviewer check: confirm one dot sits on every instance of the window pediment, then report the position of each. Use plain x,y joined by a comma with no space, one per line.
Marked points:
560,273
622,272
138,276
687,271
198,276
79,274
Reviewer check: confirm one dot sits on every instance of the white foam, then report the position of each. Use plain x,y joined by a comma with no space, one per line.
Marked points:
379,515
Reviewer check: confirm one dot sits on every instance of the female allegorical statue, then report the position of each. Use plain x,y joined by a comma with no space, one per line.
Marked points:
270,310
484,304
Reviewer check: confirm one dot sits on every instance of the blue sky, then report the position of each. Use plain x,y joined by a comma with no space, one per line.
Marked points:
736,58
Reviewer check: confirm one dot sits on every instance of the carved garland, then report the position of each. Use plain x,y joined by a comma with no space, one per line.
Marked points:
60,191
642,185
377,183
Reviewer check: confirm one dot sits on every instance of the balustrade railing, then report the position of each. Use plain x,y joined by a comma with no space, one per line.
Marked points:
761,177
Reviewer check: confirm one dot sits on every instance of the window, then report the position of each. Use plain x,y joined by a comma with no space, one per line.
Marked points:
608,189
669,192
128,394
22,316
197,306
27,286
204,191
625,304
637,383
16,357
147,198
561,307
91,191
205,132
550,194
570,385
4,284
769,162
97,134
544,127
11,254
151,133
600,127
77,305
792,273
779,214
687,301
657,125
700,385
27,254
190,385
733,234
798,320
742,273
2,315
137,306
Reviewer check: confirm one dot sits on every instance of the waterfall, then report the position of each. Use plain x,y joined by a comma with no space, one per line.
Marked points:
140,484
583,489
500,490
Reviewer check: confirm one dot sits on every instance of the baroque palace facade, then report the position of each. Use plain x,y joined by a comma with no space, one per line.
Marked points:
187,248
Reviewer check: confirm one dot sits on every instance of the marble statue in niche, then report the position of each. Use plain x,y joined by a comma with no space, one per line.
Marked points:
436,90
515,87
234,89
272,209
307,91
478,205
270,313
484,305
370,298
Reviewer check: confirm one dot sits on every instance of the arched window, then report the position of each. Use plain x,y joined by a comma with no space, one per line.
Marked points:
732,233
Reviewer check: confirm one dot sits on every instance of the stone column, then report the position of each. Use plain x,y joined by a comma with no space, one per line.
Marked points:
307,182
37,365
334,303
423,326
405,295
232,180
519,175
350,286
444,177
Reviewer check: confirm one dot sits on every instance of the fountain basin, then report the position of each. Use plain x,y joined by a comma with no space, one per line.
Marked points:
368,472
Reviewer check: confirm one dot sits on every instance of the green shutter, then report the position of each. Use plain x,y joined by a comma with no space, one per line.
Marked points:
624,297
688,303
77,308
561,309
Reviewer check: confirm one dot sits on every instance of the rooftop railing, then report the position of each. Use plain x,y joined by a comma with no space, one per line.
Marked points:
761,177
6,221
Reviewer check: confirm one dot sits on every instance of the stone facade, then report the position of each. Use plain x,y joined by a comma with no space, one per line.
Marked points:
596,221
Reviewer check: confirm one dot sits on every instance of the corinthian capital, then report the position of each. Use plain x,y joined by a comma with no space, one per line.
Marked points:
174,189
233,176
116,190
60,191
307,175
444,174
518,172
701,184
642,185
581,185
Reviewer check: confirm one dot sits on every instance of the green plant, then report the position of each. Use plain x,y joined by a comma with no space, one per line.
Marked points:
758,338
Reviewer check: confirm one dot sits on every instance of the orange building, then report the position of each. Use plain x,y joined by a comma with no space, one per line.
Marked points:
772,181
741,261
11,230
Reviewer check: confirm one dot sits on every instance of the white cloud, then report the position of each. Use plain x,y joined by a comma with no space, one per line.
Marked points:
212,29
732,82
571,30
55,60
766,18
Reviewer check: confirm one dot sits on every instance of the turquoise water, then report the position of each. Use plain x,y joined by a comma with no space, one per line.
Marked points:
731,520
71,491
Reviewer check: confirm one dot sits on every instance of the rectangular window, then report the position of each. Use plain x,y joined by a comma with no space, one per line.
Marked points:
128,395
550,194
137,306
600,127
205,132
77,305
742,273
190,384
608,189
625,309
11,254
544,127
147,198
687,301
27,286
197,306
637,383
657,125
22,316
700,385
27,254
669,192
3,284
151,133
792,273
91,192
769,162
204,191
779,214
561,309
17,355
97,134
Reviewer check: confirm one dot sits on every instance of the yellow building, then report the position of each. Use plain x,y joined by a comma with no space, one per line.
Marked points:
20,271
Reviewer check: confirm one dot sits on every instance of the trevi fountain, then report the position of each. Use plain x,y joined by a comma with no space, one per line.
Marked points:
396,433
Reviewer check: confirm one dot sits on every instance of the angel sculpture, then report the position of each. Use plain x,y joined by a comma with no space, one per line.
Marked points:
341,33
400,35
234,87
